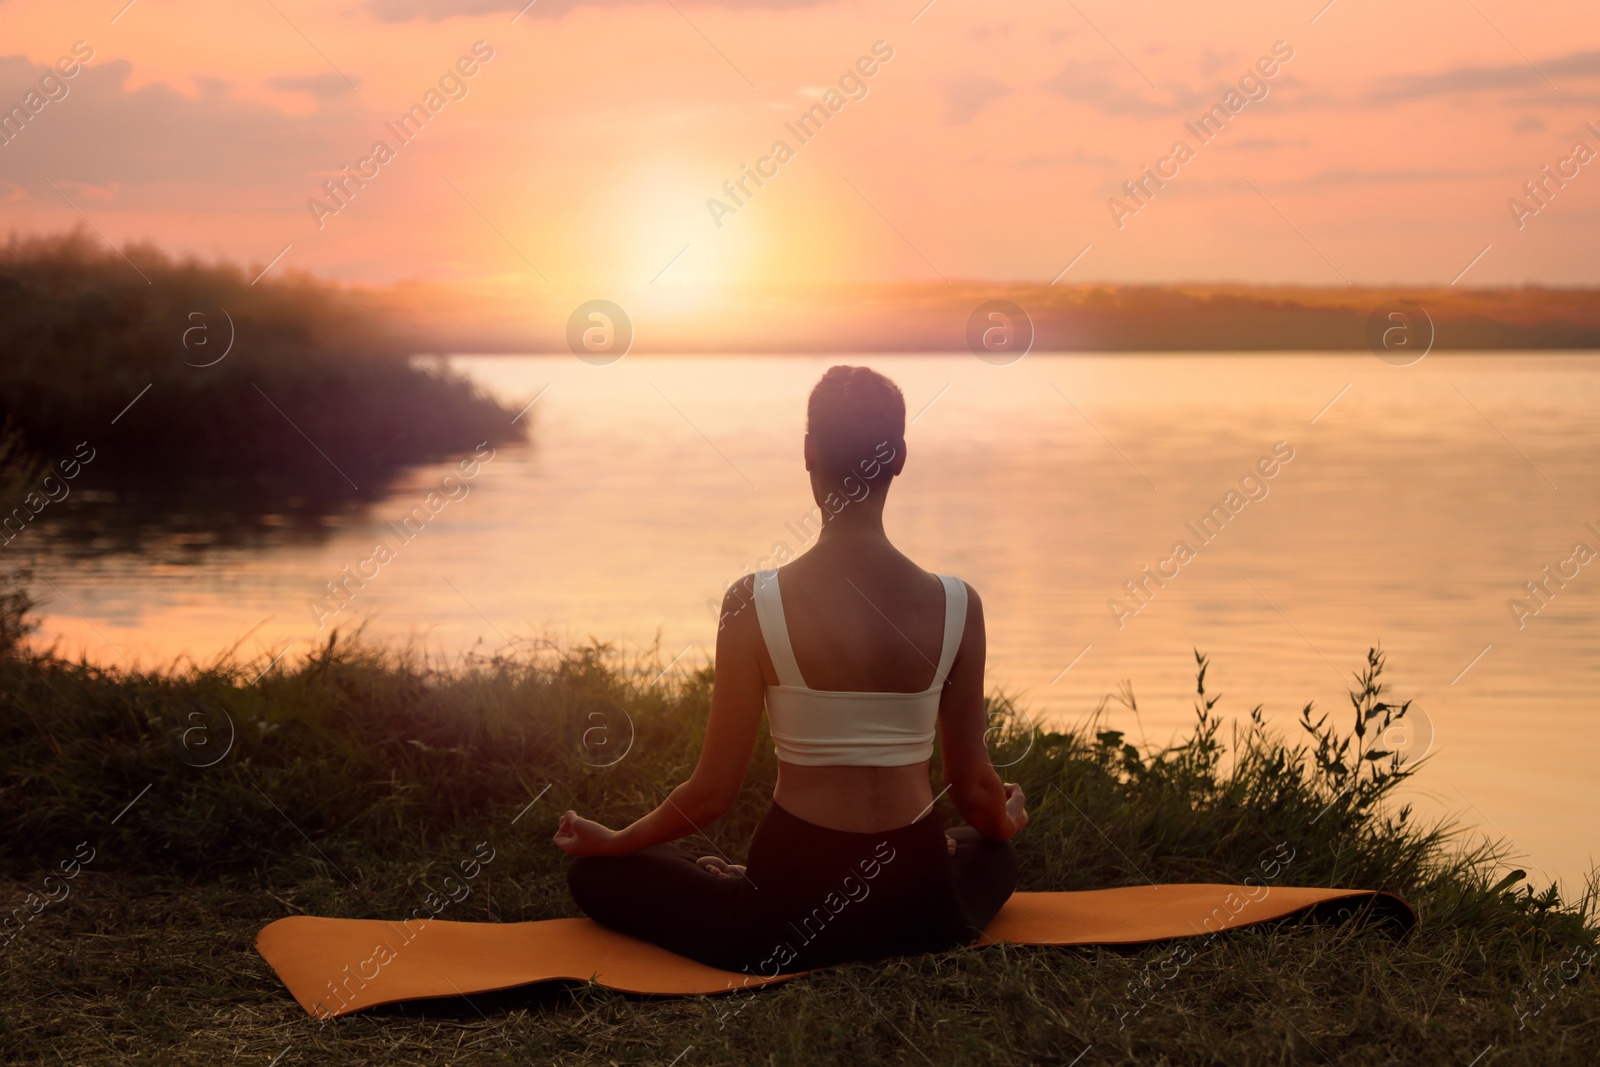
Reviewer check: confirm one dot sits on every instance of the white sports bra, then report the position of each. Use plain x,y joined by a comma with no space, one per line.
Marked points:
824,727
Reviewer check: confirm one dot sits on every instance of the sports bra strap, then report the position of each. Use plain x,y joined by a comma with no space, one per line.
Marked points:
774,631
955,623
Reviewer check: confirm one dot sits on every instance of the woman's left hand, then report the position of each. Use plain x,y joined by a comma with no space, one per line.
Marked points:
721,867
584,837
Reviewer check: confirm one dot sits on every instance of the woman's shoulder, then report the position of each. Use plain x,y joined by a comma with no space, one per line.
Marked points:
739,597
974,603
972,594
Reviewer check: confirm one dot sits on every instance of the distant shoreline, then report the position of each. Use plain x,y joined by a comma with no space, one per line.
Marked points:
879,318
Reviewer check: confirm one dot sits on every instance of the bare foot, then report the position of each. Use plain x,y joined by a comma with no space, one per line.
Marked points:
950,843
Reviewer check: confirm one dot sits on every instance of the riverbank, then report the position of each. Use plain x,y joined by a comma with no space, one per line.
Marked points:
160,819
172,389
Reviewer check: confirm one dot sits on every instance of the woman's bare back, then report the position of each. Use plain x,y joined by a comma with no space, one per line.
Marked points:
863,620
862,617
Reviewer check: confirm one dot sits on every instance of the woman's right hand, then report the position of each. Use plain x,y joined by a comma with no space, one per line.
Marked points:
1016,804
584,837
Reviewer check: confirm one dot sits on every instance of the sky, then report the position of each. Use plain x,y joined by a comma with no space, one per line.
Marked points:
586,153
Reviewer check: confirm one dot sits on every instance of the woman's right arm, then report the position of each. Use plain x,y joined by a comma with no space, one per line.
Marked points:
994,808
738,695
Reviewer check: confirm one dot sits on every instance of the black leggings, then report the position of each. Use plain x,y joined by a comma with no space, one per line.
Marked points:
811,896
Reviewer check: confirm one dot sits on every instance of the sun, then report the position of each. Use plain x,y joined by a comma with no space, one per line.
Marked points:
656,245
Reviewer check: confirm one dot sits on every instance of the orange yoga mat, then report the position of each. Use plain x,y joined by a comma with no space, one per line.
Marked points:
337,966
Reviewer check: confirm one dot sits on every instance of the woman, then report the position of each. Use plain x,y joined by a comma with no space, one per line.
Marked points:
857,653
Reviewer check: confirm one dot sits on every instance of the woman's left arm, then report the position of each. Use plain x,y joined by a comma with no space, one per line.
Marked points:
737,696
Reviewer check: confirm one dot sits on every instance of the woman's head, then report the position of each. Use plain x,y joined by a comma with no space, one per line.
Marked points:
855,432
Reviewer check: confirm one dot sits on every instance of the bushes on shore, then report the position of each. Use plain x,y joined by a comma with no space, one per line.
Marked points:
177,371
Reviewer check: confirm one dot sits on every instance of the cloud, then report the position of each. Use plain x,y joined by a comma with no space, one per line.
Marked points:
1100,93
1577,66
1347,177
1212,61
437,10
1077,158
1256,144
969,94
153,146
1521,83
324,88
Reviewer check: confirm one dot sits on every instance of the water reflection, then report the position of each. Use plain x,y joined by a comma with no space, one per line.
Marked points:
180,522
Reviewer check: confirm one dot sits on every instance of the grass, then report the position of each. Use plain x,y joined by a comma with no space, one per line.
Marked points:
356,779
195,387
